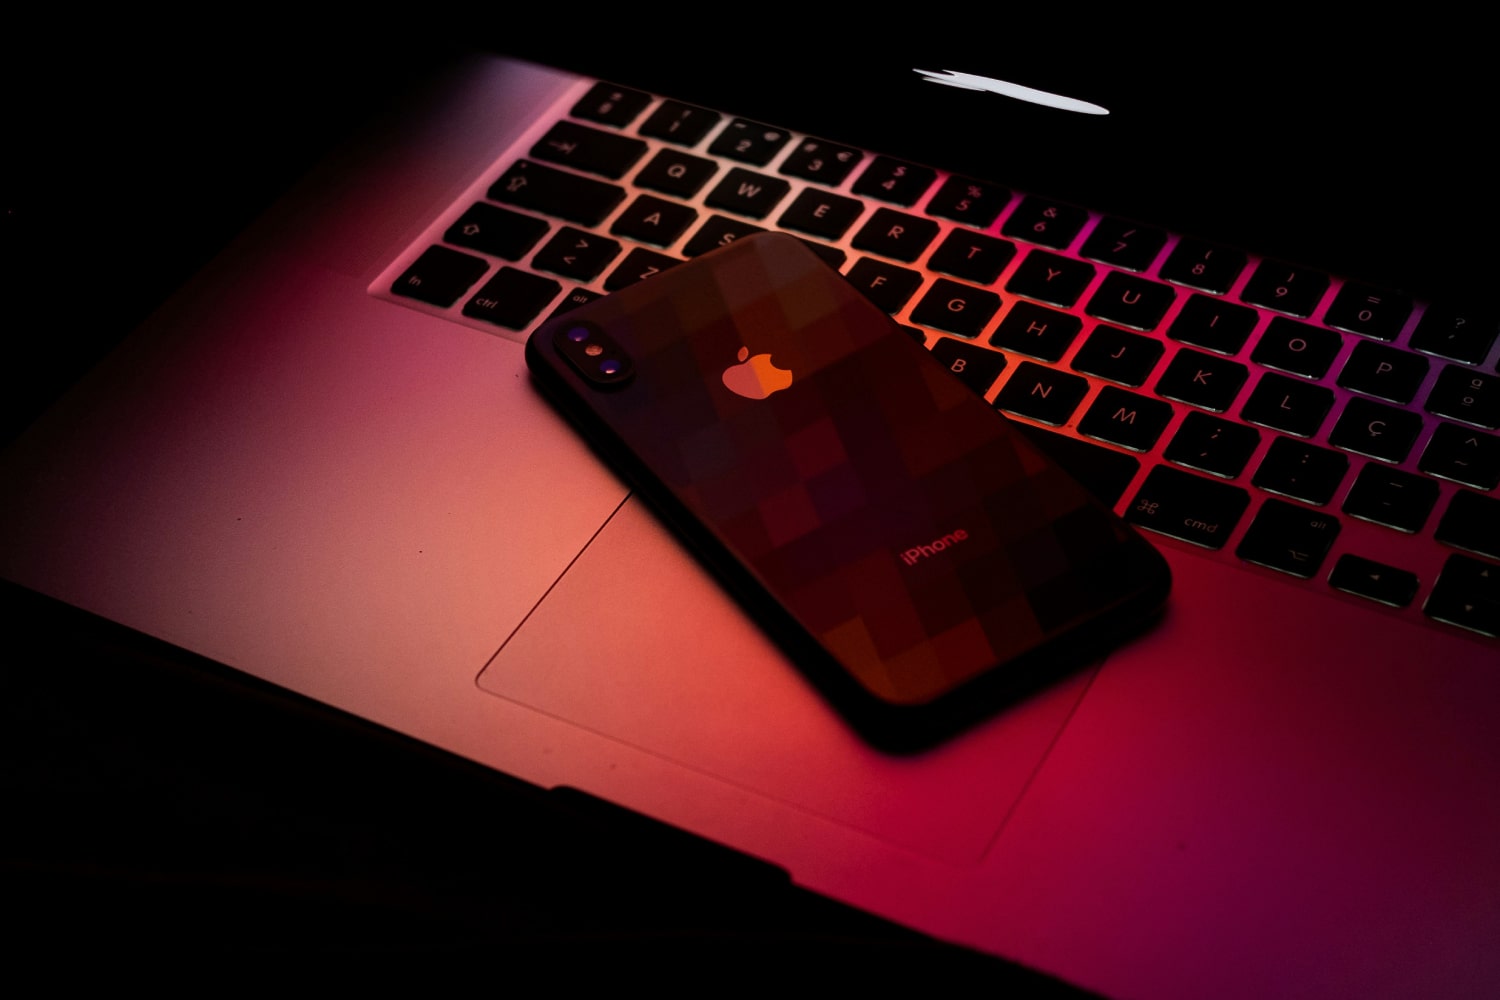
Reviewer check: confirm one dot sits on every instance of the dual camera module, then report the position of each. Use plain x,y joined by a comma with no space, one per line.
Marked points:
593,354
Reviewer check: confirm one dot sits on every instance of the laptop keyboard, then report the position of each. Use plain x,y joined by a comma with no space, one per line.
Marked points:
1333,435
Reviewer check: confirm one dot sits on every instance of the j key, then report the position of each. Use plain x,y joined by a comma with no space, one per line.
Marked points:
1372,580
611,105
556,192
512,298
972,256
1203,265
971,202
1292,290
1377,370
748,193
960,309
1102,471
1042,394
824,162
1467,594
1213,324
440,276
576,254
1298,348
896,235
652,220
676,173
1288,538
1118,355
638,265
589,149
1047,277
1463,455
977,366
1202,380
1372,312
717,232
1457,334
1467,395
1288,404
749,142
1212,445
1037,331
886,285
1130,301
1126,419
680,123
1471,522
1050,223
1377,430
496,231
1391,497
1301,471
895,181
1124,244
1189,507
821,213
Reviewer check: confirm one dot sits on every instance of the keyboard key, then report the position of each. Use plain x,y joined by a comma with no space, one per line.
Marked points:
1202,265
1213,324
1463,455
588,149
1377,370
576,254
680,123
1210,444
972,256
440,276
1457,334
649,219
971,202
512,298
749,142
1197,510
956,308
1118,355
1391,497
1288,538
717,232
821,213
1104,472
1467,395
1369,311
676,173
896,235
895,180
1471,522
1298,348
556,192
611,105
1377,430
1131,301
1124,244
1285,288
1126,419
1048,277
1043,394
1374,581
1467,594
977,366
823,162
638,265
886,285
1288,404
496,231
1203,380
1036,330
1301,471
577,297
748,193
1050,223
832,256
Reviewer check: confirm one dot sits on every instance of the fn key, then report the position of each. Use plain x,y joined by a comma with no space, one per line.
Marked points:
1188,507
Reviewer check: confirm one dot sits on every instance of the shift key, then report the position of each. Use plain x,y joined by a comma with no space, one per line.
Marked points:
1188,507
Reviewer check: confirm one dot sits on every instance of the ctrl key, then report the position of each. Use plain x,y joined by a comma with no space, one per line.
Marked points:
1467,594
1188,507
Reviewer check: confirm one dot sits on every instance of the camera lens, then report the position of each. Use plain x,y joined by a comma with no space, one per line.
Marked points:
578,334
610,366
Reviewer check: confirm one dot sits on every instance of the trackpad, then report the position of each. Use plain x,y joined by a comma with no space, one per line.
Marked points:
638,643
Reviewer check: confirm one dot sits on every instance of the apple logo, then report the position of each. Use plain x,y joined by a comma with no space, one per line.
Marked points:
757,377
